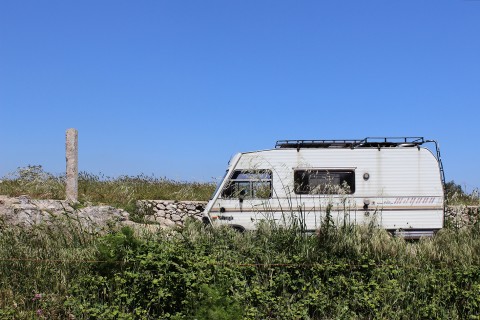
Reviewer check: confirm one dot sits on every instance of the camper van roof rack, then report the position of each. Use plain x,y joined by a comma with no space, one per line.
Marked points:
369,142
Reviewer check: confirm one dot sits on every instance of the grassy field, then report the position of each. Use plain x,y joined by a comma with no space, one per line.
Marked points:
348,272
120,191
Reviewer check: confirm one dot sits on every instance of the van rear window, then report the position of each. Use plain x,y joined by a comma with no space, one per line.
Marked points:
324,181
249,184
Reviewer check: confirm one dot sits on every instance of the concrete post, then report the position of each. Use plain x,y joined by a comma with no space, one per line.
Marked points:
71,150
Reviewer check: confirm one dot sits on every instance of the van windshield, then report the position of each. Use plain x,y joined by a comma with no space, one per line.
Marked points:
249,184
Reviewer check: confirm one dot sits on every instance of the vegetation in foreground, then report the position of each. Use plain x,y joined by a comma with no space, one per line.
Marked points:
57,272
351,272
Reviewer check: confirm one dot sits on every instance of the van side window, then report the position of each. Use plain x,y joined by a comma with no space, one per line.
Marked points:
249,184
324,181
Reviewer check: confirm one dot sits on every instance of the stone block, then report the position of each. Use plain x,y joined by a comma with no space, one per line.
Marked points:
176,217
161,213
168,223
150,218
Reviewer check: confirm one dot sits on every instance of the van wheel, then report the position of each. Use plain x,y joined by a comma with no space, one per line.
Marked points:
205,221
238,229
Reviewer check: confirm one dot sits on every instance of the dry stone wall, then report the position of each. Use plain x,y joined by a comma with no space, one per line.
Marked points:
462,216
170,212
26,212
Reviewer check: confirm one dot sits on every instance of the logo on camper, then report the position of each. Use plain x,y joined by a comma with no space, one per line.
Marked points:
415,200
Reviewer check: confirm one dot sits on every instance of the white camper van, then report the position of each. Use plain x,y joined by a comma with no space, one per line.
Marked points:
393,182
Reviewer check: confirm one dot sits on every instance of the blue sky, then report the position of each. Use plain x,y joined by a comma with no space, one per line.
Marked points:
175,88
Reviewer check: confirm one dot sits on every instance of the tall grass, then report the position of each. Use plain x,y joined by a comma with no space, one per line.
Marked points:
38,264
456,195
33,181
120,191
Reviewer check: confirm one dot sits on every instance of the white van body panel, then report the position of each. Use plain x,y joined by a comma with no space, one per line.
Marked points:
404,189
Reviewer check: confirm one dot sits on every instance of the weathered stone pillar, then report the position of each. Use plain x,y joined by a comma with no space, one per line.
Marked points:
71,150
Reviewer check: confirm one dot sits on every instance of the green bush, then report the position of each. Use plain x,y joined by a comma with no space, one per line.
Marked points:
205,273
197,273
